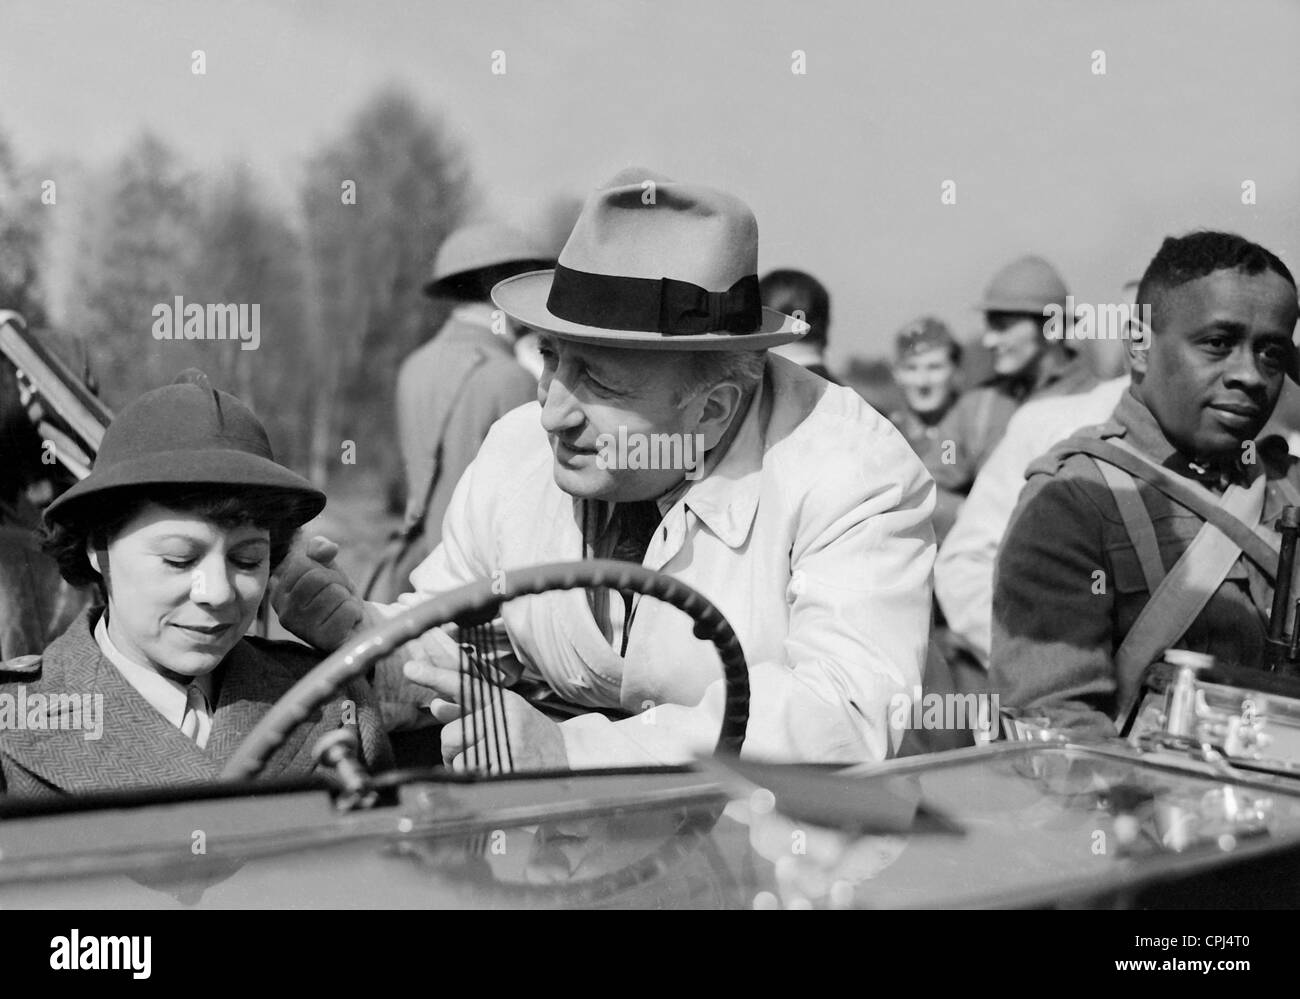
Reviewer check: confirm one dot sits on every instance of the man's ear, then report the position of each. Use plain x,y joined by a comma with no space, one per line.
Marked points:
719,408
1139,346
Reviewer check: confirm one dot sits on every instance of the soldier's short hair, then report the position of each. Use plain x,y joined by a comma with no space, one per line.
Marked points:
1181,259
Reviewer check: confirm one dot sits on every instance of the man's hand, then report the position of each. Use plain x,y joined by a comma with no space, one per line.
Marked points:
314,599
535,741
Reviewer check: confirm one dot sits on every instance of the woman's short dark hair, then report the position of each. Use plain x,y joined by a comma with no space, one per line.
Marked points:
65,540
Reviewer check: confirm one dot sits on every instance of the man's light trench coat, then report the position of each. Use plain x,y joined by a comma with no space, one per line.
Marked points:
811,534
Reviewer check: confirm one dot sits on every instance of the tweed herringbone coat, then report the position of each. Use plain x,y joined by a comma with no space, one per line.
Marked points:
41,755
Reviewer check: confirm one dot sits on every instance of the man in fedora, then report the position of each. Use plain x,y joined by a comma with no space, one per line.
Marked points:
805,519
453,388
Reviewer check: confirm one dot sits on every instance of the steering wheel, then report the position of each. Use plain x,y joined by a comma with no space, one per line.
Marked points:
477,603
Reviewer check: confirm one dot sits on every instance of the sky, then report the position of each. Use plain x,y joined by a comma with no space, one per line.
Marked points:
843,164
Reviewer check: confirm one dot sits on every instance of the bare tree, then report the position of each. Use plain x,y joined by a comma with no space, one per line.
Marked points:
377,202
248,254
141,236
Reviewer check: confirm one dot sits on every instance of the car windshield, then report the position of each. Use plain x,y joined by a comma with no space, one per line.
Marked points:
1012,824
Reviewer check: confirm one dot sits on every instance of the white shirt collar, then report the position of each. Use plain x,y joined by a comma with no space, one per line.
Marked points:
167,697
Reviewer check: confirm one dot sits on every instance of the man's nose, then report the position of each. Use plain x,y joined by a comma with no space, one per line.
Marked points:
560,410
1243,372
210,583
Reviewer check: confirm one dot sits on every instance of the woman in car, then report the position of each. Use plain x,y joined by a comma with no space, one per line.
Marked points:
179,525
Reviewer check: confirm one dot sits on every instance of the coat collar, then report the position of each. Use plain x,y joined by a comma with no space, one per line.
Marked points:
138,746
725,498
1137,425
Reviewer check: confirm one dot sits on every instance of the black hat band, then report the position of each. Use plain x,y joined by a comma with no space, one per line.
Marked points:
650,305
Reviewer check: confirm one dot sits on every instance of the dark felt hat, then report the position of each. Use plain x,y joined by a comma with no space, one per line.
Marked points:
187,433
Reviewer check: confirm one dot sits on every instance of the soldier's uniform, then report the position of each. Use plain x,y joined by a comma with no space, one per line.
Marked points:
1025,287
1087,547
930,442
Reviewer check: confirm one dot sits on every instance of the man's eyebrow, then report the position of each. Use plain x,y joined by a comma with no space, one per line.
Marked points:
607,373
1224,326
600,370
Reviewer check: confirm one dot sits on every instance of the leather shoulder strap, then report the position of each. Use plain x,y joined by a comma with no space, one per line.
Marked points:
1175,604
1195,498
1137,522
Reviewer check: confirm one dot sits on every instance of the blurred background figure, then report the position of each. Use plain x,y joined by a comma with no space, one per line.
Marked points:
927,362
804,297
1026,365
1108,355
453,388
963,568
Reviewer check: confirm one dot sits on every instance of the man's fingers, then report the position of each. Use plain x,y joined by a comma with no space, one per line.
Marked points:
321,549
318,607
444,682
333,603
467,742
461,735
445,711
437,647
299,590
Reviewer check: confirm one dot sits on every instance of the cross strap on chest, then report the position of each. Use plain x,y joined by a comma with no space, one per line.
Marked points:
1232,528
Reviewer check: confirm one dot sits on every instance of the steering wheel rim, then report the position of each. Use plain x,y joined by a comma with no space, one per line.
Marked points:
479,602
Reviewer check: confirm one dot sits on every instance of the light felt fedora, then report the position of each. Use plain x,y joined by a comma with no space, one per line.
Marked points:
654,264
479,250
